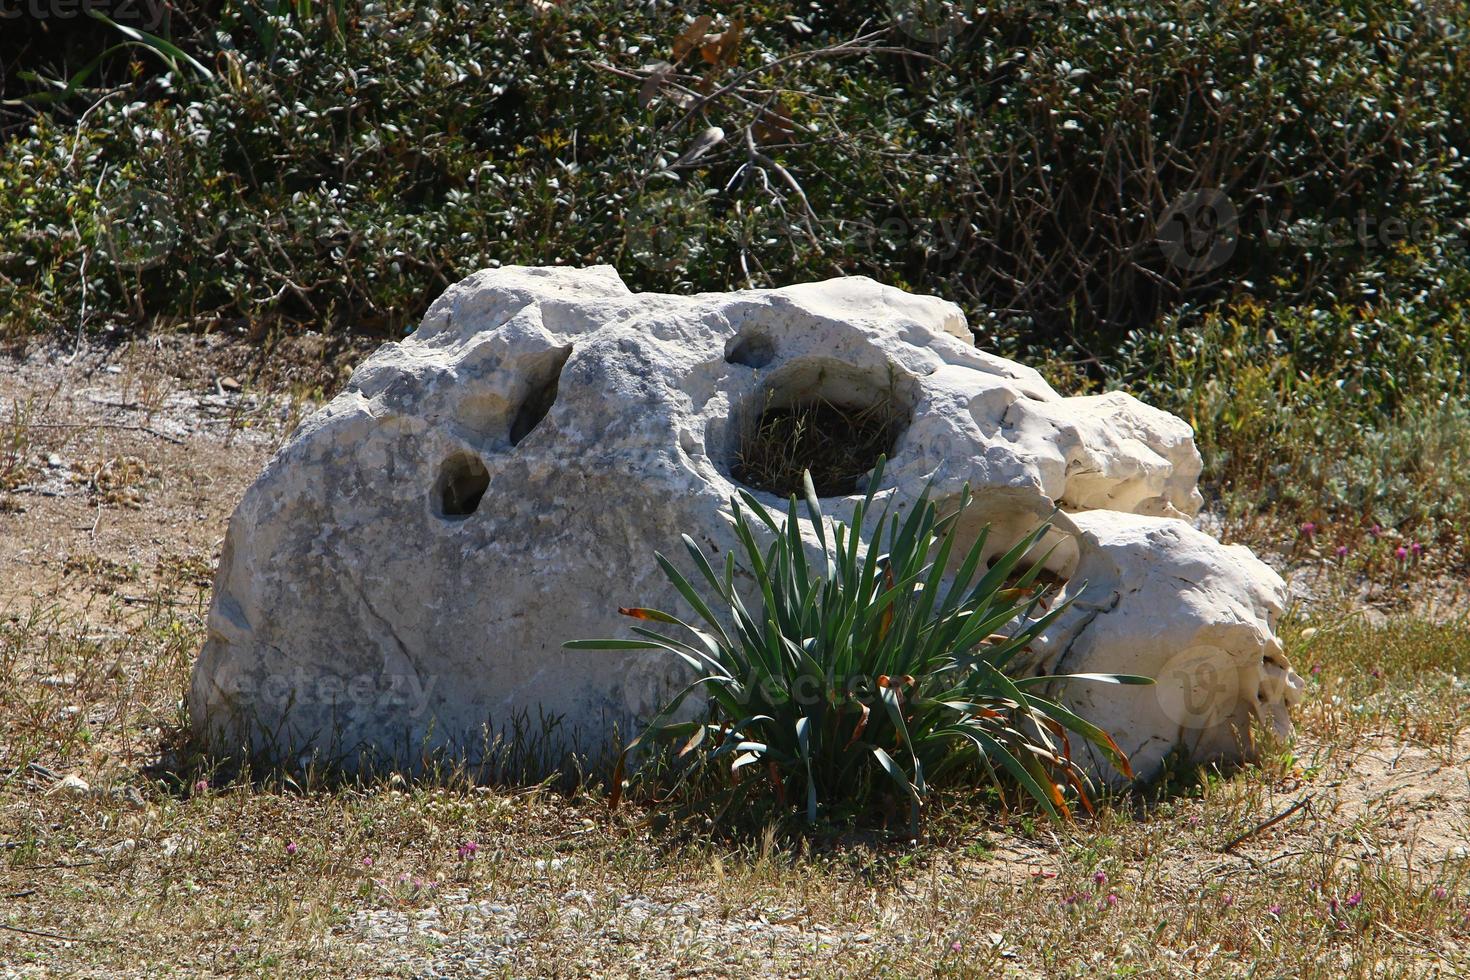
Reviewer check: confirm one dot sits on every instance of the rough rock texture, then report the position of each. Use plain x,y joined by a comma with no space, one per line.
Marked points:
1170,602
401,577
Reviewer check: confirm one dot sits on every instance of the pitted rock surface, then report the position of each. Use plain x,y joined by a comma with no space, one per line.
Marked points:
401,577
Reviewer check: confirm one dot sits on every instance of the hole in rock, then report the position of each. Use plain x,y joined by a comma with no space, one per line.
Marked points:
1005,518
754,350
834,422
462,482
1047,577
541,397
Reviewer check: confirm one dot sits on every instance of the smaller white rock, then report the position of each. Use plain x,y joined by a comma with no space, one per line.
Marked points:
122,848
128,795
73,785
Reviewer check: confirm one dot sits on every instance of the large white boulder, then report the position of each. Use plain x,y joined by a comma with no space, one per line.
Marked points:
400,579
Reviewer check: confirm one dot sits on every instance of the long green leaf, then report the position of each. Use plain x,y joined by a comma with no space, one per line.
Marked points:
1126,679
997,752
897,775
169,51
804,745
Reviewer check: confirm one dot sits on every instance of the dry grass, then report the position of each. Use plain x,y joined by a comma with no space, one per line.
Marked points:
839,445
203,880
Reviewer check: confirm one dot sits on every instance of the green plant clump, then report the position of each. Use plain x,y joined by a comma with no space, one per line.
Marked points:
870,674
1347,417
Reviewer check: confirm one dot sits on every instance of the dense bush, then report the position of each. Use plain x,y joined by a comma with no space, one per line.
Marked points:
1348,417
341,163
860,674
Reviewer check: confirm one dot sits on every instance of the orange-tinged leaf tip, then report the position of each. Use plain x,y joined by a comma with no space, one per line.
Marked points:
1124,766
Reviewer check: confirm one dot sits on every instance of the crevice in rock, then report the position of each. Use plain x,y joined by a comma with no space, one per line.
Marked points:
831,419
391,630
540,398
1058,662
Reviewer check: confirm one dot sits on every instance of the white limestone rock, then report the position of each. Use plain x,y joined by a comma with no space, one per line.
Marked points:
402,575
1156,597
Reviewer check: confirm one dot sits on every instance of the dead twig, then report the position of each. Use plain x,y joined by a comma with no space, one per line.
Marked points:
62,866
108,425
49,935
1273,821
37,769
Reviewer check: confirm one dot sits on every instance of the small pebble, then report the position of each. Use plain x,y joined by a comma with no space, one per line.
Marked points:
128,795
115,851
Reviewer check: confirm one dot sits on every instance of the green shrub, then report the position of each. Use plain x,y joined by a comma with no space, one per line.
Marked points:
878,671
345,161
1347,417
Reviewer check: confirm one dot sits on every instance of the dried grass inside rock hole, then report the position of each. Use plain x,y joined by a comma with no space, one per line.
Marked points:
839,444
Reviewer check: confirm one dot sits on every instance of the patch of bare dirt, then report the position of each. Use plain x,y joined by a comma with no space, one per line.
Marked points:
1407,805
120,466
